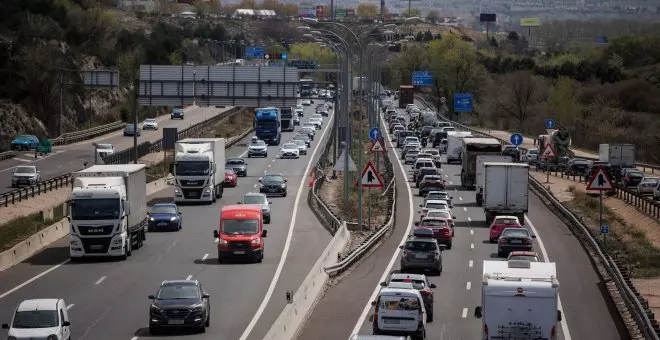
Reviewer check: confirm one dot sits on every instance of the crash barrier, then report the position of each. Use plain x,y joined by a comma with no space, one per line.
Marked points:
77,136
8,155
122,157
609,264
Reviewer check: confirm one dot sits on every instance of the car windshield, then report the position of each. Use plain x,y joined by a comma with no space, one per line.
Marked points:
436,213
432,152
149,120
229,172
259,143
25,170
506,221
433,223
23,137
515,233
524,258
301,137
299,142
289,146
36,319
431,177
421,246
273,179
235,162
254,199
240,227
163,209
398,303
178,292
417,284
436,206
104,146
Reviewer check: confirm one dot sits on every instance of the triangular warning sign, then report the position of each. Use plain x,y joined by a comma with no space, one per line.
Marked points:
548,151
377,146
601,181
370,178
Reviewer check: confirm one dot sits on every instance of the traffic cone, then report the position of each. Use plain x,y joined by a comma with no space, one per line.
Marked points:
312,178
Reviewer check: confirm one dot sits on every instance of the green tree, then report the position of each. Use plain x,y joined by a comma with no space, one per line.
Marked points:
312,51
563,103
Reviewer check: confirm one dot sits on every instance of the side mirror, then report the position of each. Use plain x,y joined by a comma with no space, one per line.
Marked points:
239,202
533,236
260,179
451,206
38,171
421,205
180,213
432,285
269,202
215,234
206,296
5,326
558,315
416,224
442,247
66,323
373,303
453,217
264,233
151,297
401,247
478,312
383,284
285,180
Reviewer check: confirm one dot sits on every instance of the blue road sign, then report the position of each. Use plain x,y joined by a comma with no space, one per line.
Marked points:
516,139
550,124
604,229
254,52
462,102
283,56
422,78
601,40
374,134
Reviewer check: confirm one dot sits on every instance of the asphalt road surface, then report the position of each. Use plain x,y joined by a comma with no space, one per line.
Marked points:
108,300
587,313
70,158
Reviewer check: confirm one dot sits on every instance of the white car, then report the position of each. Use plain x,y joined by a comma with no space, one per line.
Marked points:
306,102
317,116
310,126
318,123
433,205
257,147
299,111
647,185
150,124
105,150
302,146
289,150
40,319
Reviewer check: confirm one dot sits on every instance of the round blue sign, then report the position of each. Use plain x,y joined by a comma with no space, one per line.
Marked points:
374,134
550,124
516,139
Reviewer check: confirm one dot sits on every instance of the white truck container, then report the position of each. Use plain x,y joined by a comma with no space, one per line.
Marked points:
199,169
519,300
506,190
480,177
455,145
108,211
618,155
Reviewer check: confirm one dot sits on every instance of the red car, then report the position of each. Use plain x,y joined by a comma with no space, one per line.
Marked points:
501,222
231,180
442,230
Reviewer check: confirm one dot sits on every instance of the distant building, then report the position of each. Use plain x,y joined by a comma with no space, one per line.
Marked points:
141,5
266,13
242,12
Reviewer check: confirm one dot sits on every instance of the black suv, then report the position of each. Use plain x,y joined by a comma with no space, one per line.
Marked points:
513,151
273,184
180,303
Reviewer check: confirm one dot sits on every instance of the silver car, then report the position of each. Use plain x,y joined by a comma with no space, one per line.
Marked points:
302,146
258,199
647,185
25,175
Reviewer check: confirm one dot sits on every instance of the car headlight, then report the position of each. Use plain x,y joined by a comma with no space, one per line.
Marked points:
221,242
197,308
155,308
256,241
283,186
74,242
117,241
151,219
173,218
261,185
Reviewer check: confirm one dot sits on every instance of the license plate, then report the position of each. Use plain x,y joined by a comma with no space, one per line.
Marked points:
272,190
239,252
391,321
516,241
162,224
175,322
420,256
96,246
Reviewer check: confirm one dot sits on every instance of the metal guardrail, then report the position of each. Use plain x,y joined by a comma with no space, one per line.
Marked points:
122,157
77,136
614,271
7,155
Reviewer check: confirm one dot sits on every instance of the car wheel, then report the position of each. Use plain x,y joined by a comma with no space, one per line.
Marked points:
284,194
249,156
153,330
208,321
429,317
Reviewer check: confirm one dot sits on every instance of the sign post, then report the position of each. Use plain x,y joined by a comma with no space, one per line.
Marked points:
604,230
548,152
601,181
370,179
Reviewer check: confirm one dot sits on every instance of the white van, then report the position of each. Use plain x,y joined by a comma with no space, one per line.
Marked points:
40,319
399,312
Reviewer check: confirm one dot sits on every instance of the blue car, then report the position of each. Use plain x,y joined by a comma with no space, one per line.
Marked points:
165,216
177,113
25,142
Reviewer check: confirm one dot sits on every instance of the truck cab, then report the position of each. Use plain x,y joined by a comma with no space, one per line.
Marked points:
241,233
287,118
197,176
267,125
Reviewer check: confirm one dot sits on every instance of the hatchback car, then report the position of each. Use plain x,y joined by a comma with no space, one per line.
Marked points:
25,142
310,131
419,282
40,319
438,195
260,200
429,183
513,239
273,184
647,185
231,179
443,231
239,165
179,303
104,150
446,214
177,113
150,124
289,150
500,223
302,146
303,137
433,204
165,216
257,147
130,130
421,253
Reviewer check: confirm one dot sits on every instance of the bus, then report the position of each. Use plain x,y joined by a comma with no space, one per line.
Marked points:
306,87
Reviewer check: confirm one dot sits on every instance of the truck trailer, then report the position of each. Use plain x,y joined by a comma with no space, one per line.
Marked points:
519,300
455,145
506,190
473,147
480,176
199,169
108,211
406,95
618,155
287,118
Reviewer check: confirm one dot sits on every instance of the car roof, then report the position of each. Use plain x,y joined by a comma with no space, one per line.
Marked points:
179,282
37,304
407,276
523,253
402,285
414,238
434,218
164,205
254,194
506,216
436,201
273,174
424,159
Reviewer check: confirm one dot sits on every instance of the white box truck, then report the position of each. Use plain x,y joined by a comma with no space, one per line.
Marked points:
519,300
455,145
618,155
480,177
108,211
199,169
506,190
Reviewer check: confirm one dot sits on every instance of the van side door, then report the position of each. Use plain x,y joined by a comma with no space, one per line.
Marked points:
64,317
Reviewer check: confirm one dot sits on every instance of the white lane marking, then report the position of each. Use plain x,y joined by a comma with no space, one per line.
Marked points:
470,264
273,160
388,269
563,323
464,209
464,313
472,232
189,277
205,257
471,245
243,154
460,198
269,165
98,282
468,286
134,338
287,243
255,185
70,306
451,183
469,219
34,278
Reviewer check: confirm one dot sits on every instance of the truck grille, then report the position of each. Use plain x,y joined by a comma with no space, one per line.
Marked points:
192,193
96,245
192,183
239,245
86,230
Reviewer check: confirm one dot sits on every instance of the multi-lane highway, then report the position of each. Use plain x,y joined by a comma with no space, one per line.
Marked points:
108,300
69,158
587,313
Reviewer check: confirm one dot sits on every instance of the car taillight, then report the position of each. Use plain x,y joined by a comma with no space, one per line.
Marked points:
425,292
502,240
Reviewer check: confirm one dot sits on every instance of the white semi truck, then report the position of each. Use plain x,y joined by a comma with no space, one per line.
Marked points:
199,169
618,155
108,211
455,145
519,300
480,177
506,190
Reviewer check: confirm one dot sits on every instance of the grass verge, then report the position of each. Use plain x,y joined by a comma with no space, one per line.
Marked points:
624,238
21,228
